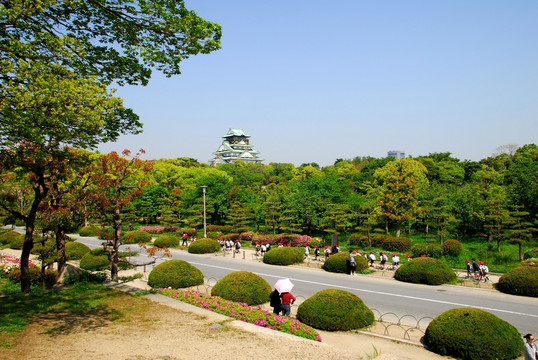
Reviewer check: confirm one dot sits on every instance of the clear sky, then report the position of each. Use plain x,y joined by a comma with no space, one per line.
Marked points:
313,81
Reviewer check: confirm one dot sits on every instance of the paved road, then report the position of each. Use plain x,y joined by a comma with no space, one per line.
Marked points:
385,295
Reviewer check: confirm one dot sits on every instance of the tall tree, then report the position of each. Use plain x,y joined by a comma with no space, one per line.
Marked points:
58,57
115,186
400,181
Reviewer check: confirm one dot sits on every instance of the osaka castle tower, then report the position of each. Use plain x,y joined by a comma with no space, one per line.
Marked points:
235,146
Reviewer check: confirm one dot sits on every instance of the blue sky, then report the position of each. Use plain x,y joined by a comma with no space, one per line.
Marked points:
313,81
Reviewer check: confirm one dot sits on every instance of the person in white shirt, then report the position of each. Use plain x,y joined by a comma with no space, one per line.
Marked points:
530,348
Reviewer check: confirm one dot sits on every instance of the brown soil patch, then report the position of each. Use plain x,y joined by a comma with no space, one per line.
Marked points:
136,328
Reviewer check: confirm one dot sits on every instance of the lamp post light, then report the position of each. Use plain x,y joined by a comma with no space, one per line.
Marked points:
205,231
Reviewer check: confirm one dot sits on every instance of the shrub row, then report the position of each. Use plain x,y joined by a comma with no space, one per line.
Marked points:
385,242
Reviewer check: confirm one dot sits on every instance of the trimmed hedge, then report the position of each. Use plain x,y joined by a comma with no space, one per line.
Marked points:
522,280
452,247
88,231
94,262
136,237
204,246
425,270
466,333
337,263
75,250
175,274
335,310
35,276
283,256
432,250
244,287
168,241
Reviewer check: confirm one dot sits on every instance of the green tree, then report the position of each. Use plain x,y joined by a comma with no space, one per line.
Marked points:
520,228
58,57
400,182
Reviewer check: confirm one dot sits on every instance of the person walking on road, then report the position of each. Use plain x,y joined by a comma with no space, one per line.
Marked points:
352,263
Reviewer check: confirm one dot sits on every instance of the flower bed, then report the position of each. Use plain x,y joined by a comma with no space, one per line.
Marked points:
9,263
239,311
159,229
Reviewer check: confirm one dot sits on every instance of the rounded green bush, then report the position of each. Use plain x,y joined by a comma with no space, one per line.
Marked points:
168,241
522,280
452,247
10,236
16,243
430,250
337,263
94,262
283,256
88,231
335,310
175,274
99,251
136,237
204,246
106,233
244,287
531,253
425,270
75,250
466,333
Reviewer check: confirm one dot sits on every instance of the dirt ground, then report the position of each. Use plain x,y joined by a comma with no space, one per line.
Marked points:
141,329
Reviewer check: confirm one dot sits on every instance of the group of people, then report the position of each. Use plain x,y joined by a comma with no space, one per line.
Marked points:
383,258
262,248
317,253
281,302
477,270
230,245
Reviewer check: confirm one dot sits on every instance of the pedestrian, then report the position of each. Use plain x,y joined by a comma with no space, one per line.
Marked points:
530,348
382,260
484,270
371,258
130,227
275,302
352,263
258,248
264,249
268,247
476,269
327,252
395,261
287,301
237,246
306,251
316,253
408,257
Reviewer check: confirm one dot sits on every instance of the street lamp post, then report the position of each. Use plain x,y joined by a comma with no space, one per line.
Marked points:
205,231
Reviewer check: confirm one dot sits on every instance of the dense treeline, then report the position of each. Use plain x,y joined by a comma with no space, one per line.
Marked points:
436,194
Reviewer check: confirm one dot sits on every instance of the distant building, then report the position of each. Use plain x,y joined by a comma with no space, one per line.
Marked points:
235,146
397,154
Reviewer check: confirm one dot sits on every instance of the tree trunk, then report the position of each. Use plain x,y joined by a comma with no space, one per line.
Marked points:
387,226
116,243
398,228
520,245
60,246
